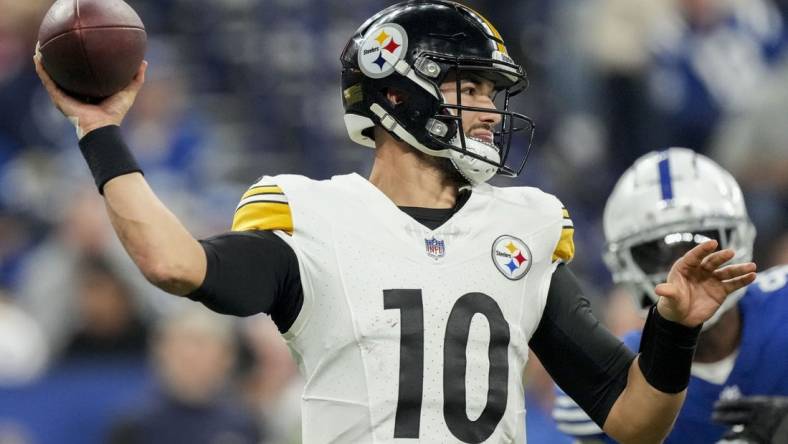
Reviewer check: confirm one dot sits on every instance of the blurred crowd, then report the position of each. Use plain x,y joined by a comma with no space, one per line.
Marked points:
90,352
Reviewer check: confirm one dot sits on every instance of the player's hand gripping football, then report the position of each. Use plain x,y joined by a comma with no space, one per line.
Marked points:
698,284
85,116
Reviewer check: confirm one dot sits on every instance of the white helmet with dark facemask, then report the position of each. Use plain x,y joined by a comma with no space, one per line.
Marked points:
664,205
413,47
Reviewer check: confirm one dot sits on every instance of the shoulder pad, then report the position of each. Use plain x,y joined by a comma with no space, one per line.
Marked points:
263,206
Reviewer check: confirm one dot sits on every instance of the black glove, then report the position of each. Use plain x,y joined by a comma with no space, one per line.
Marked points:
754,419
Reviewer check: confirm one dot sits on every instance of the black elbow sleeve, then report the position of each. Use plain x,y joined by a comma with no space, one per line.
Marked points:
587,361
249,273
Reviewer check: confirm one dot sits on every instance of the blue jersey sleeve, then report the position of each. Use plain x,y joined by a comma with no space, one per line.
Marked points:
573,421
762,353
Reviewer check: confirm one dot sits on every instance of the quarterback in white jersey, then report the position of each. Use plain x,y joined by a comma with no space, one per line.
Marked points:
411,299
406,331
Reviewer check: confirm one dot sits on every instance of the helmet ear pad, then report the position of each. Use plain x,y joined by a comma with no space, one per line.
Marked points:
415,109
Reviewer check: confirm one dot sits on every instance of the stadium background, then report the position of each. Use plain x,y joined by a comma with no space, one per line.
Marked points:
241,88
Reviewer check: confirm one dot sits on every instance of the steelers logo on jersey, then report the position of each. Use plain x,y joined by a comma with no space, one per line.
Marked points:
511,257
382,48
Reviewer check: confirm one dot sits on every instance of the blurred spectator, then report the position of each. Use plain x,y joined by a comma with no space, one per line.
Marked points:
274,386
23,347
193,353
108,324
48,283
18,31
17,236
636,75
708,62
168,135
539,399
612,38
753,145
596,58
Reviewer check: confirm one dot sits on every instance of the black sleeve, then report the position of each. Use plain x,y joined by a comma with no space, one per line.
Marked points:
581,355
251,272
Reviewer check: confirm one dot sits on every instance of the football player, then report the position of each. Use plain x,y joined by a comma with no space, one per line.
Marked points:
664,205
410,299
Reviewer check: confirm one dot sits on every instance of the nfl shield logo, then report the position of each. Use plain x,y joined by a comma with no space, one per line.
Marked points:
436,249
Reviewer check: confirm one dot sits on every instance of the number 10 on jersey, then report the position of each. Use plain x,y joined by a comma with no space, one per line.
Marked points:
455,343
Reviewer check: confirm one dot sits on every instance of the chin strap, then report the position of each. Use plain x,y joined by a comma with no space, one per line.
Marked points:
391,125
474,170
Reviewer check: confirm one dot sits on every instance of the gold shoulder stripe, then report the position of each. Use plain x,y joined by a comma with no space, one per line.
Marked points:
565,250
263,215
263,197
262,189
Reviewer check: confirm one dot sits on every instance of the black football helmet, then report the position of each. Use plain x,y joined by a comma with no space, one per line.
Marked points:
412,47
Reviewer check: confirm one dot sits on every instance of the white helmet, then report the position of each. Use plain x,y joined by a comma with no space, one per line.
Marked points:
661,207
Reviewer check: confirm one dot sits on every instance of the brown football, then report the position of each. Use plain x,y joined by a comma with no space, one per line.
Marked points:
91,48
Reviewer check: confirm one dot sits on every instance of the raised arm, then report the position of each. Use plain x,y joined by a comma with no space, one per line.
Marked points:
163,249
635,398
156,240
656,386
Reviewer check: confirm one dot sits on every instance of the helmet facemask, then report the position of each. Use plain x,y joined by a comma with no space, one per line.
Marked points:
478,160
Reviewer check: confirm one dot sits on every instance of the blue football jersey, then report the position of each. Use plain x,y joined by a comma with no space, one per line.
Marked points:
761,368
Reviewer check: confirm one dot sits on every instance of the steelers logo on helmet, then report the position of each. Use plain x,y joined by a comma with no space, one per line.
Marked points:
382,48
511,257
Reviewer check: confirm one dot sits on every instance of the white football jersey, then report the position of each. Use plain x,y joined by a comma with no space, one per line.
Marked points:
409,334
